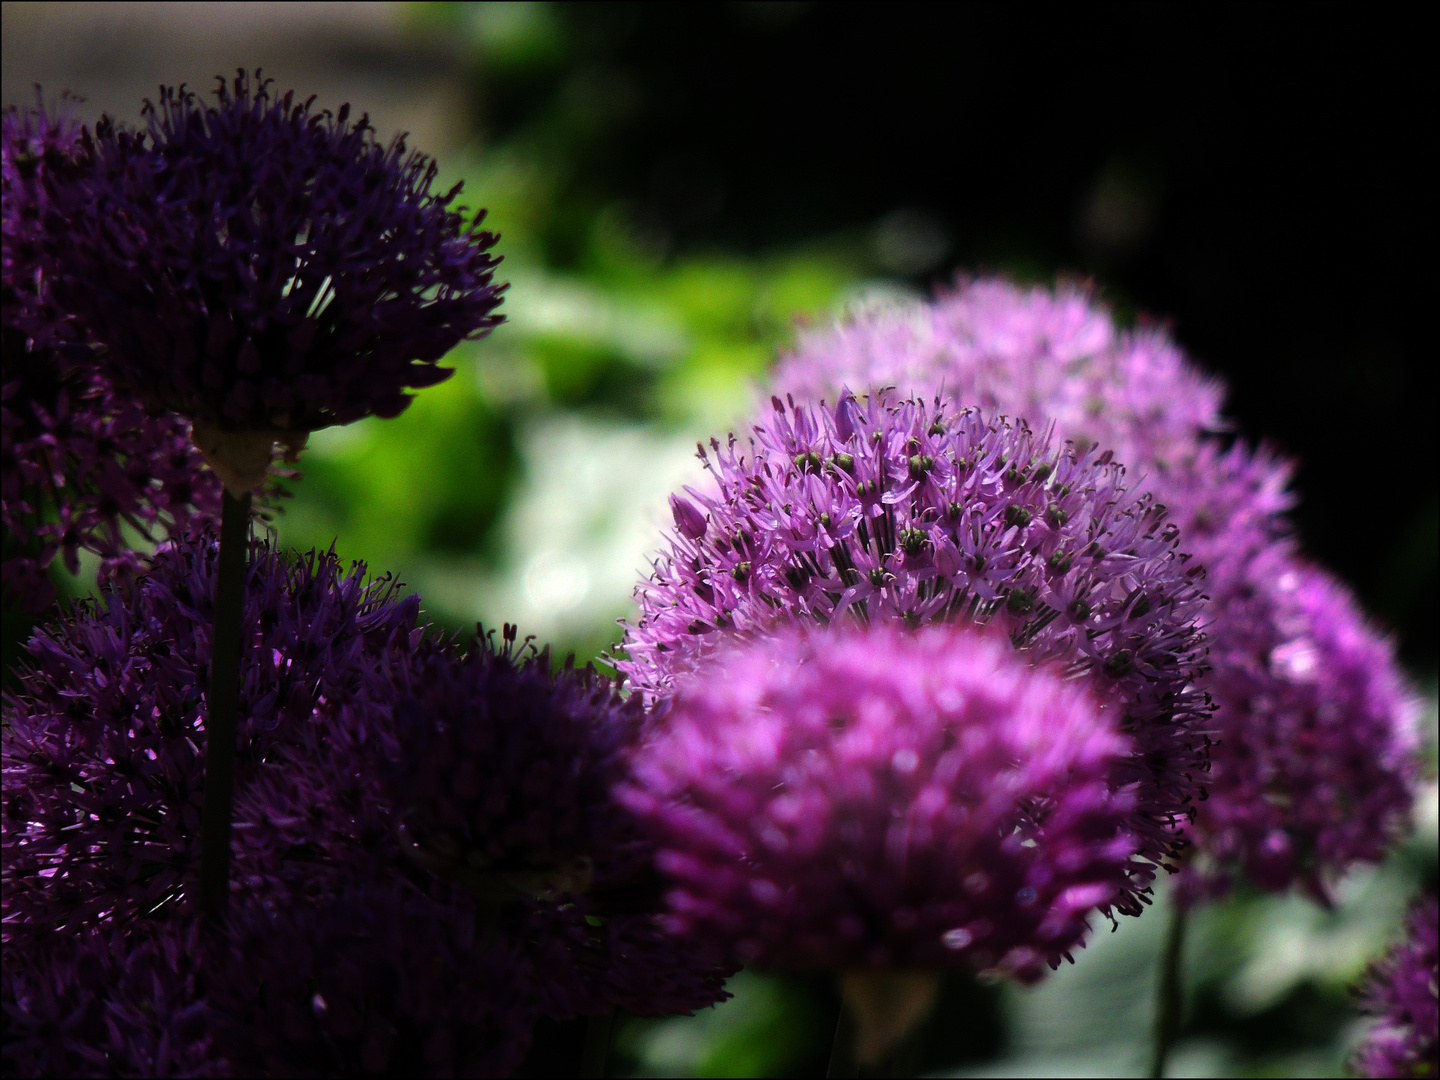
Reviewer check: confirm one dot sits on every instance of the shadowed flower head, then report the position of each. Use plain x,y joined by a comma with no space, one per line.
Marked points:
1403,992
77,460
499,772
103,749
111,1002
910,513
1314,763
880,799
259,266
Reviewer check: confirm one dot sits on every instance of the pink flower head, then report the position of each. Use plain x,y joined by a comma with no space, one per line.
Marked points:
903,512
847,798
1314,763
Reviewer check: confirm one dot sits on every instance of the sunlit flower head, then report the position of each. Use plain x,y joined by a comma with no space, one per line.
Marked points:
852,798
910,513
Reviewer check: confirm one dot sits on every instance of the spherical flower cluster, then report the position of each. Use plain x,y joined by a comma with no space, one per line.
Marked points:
911,513
1293,663
425,852
103,750
261,267
851,798
1318,732
77,460
1403,991
499,772
103,758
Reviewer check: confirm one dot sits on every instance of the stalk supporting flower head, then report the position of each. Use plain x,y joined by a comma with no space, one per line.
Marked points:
1403,992
880,800
263,268
1314,763
905,512
78,462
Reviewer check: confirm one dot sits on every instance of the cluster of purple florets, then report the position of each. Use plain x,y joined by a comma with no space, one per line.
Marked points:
427,857
840,798
1314,726
80,462
968,637
908,513
1402,992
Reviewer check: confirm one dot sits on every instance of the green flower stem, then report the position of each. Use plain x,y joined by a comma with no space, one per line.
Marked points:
222,701
1168,991
597,1044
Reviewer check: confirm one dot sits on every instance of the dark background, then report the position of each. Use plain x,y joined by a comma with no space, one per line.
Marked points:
1250,174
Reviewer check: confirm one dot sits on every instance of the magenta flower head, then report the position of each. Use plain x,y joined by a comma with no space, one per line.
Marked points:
499,773
1315,723
1403,993
77,460
852,798
103,745
263,268
904,512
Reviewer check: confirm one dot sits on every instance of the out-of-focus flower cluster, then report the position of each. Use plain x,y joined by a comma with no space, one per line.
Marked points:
426,856
256,265
1314,723
1403,993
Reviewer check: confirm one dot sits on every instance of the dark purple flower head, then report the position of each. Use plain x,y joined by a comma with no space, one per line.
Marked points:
853,798
103,747
108,1003
261,267
1403,992
77,460
926,514
1314,765
498,773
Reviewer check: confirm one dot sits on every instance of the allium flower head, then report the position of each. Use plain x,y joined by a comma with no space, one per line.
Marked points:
499,772
905,512
1403,992
847,798
260,266
77,460
103,749
1315,724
